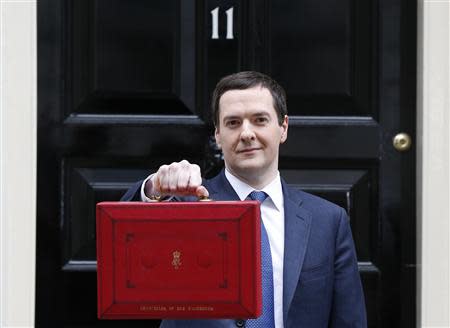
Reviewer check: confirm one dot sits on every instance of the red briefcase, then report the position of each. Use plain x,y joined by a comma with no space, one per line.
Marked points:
178,260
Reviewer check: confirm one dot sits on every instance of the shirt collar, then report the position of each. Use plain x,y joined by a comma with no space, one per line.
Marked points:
273,189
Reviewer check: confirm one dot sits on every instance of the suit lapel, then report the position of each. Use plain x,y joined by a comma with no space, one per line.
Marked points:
220,189
296,235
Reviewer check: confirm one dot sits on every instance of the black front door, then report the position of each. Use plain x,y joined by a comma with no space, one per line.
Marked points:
124,86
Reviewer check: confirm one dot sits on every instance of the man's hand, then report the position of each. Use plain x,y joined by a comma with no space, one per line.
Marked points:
177,179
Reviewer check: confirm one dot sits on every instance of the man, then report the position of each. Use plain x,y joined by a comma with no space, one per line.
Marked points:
316,281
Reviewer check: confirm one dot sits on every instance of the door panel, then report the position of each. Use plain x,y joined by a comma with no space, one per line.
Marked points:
322,54
130,59
125,86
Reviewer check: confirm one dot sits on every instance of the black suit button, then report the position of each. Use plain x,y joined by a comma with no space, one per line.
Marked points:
240,323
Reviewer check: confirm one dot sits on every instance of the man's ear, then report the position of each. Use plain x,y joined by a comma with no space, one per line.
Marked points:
284,129
217,136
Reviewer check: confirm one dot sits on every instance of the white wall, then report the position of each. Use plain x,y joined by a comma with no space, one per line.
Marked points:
433,170
17,162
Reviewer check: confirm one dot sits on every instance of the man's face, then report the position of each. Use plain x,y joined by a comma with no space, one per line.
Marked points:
249,134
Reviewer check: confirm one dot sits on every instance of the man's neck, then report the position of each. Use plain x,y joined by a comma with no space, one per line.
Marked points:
257,182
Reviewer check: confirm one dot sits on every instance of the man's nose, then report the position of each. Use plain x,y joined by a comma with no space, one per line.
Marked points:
247,133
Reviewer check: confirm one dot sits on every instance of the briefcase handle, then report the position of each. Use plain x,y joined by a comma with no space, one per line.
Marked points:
155,198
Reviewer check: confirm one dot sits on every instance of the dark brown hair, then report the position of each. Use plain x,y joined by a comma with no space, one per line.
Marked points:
246,80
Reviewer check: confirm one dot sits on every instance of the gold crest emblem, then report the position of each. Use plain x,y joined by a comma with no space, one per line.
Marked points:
176,261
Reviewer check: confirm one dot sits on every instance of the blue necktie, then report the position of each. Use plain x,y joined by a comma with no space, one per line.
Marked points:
266,320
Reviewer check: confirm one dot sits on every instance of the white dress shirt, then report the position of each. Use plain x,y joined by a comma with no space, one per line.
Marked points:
144,197
272,214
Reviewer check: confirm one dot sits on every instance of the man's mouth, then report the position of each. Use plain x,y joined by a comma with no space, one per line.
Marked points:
248,150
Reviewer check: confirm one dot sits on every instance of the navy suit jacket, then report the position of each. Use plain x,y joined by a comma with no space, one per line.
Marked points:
321,282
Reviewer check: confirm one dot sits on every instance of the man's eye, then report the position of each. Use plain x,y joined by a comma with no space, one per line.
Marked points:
261,120
232,123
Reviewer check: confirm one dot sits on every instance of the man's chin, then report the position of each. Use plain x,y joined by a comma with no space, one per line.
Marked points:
248,169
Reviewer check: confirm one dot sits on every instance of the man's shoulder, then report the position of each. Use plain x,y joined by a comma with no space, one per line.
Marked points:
305,197
325,218
211,180
314,204
217,183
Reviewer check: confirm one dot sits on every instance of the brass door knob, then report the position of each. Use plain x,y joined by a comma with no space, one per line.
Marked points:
402,142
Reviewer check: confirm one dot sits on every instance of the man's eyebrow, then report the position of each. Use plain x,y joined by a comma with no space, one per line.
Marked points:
231,117
237,117
261,113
